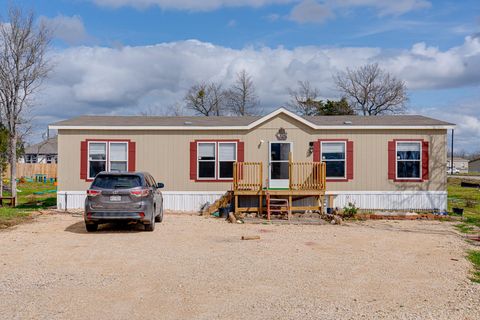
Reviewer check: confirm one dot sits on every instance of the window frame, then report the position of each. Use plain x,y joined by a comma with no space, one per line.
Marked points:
107,154
218,158
29,158
217,163
344,178
88,157
420,171
214,161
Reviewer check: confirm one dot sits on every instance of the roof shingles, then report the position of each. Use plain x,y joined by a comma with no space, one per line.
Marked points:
235,121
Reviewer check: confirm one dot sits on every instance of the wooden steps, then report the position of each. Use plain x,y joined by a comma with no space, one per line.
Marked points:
277,206
222,202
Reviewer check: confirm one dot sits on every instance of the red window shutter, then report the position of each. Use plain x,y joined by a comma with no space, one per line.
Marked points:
316,151
349,160
425,161
193,160
241,151
241,156
391,160
132,154
83,159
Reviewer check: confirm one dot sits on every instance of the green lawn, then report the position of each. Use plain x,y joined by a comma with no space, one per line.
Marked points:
474,257
467,199
28,202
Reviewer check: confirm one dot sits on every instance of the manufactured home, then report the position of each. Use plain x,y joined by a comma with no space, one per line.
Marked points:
392,162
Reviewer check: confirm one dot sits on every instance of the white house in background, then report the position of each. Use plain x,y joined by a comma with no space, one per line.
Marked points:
42,152
460,164
474,166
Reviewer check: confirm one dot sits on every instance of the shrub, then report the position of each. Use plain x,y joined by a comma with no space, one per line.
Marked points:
350,210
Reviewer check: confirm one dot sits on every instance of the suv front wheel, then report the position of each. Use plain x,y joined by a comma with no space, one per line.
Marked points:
151,225
91,227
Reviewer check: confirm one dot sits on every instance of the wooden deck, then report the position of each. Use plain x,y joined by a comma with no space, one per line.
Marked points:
306,180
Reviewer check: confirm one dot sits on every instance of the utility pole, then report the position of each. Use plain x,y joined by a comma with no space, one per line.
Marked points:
451,154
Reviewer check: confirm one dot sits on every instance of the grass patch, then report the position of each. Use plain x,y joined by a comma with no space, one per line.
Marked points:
469,200
474,257
28,202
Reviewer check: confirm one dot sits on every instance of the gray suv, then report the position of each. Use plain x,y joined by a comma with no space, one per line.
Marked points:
127,196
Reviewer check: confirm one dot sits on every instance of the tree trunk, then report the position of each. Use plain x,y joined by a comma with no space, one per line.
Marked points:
1,182
12,145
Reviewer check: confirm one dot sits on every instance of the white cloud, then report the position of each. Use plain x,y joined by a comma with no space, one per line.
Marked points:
69,29
310,11
127,80
196,5
384,7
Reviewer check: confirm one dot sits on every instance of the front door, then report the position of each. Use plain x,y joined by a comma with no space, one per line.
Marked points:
279,153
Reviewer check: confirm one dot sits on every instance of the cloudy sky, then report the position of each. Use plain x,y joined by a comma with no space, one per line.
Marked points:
127,56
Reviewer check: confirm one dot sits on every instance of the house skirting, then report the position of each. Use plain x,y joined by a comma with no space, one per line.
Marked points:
390,200
366,200
172,200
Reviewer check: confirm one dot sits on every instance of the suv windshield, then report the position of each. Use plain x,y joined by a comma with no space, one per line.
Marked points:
117,181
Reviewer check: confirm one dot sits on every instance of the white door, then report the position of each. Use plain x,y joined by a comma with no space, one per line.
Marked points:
278,163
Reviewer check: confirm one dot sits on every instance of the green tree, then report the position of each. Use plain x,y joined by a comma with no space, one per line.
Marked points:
334,108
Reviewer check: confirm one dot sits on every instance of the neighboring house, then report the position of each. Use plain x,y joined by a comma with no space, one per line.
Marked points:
474,166
42,152
460,164
382,162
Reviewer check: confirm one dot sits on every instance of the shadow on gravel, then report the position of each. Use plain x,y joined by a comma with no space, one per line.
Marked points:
79,227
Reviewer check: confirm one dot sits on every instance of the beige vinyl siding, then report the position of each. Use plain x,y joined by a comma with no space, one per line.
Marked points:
166,154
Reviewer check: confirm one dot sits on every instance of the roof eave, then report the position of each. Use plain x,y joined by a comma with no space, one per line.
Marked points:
164,128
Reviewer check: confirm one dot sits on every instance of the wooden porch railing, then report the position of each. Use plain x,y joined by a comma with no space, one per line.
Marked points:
307,175
247,176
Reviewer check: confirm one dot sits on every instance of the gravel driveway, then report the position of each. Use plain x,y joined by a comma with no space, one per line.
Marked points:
197,268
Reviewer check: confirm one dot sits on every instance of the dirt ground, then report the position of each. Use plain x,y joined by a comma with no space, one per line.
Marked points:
197,268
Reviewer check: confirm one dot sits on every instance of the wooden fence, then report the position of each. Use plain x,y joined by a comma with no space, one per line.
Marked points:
29,170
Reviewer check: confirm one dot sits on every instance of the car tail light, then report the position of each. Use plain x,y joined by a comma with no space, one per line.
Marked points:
140,193
93,193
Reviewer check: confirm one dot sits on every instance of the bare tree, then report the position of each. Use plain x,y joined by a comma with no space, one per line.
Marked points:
23,67
372,91
176,109
241,98
206,99
305,99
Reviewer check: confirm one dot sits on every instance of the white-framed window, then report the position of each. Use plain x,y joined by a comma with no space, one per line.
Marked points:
206,160
51,158
107,156
97,158
409,160
118,156
31,158
334,156
227,155
215,159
